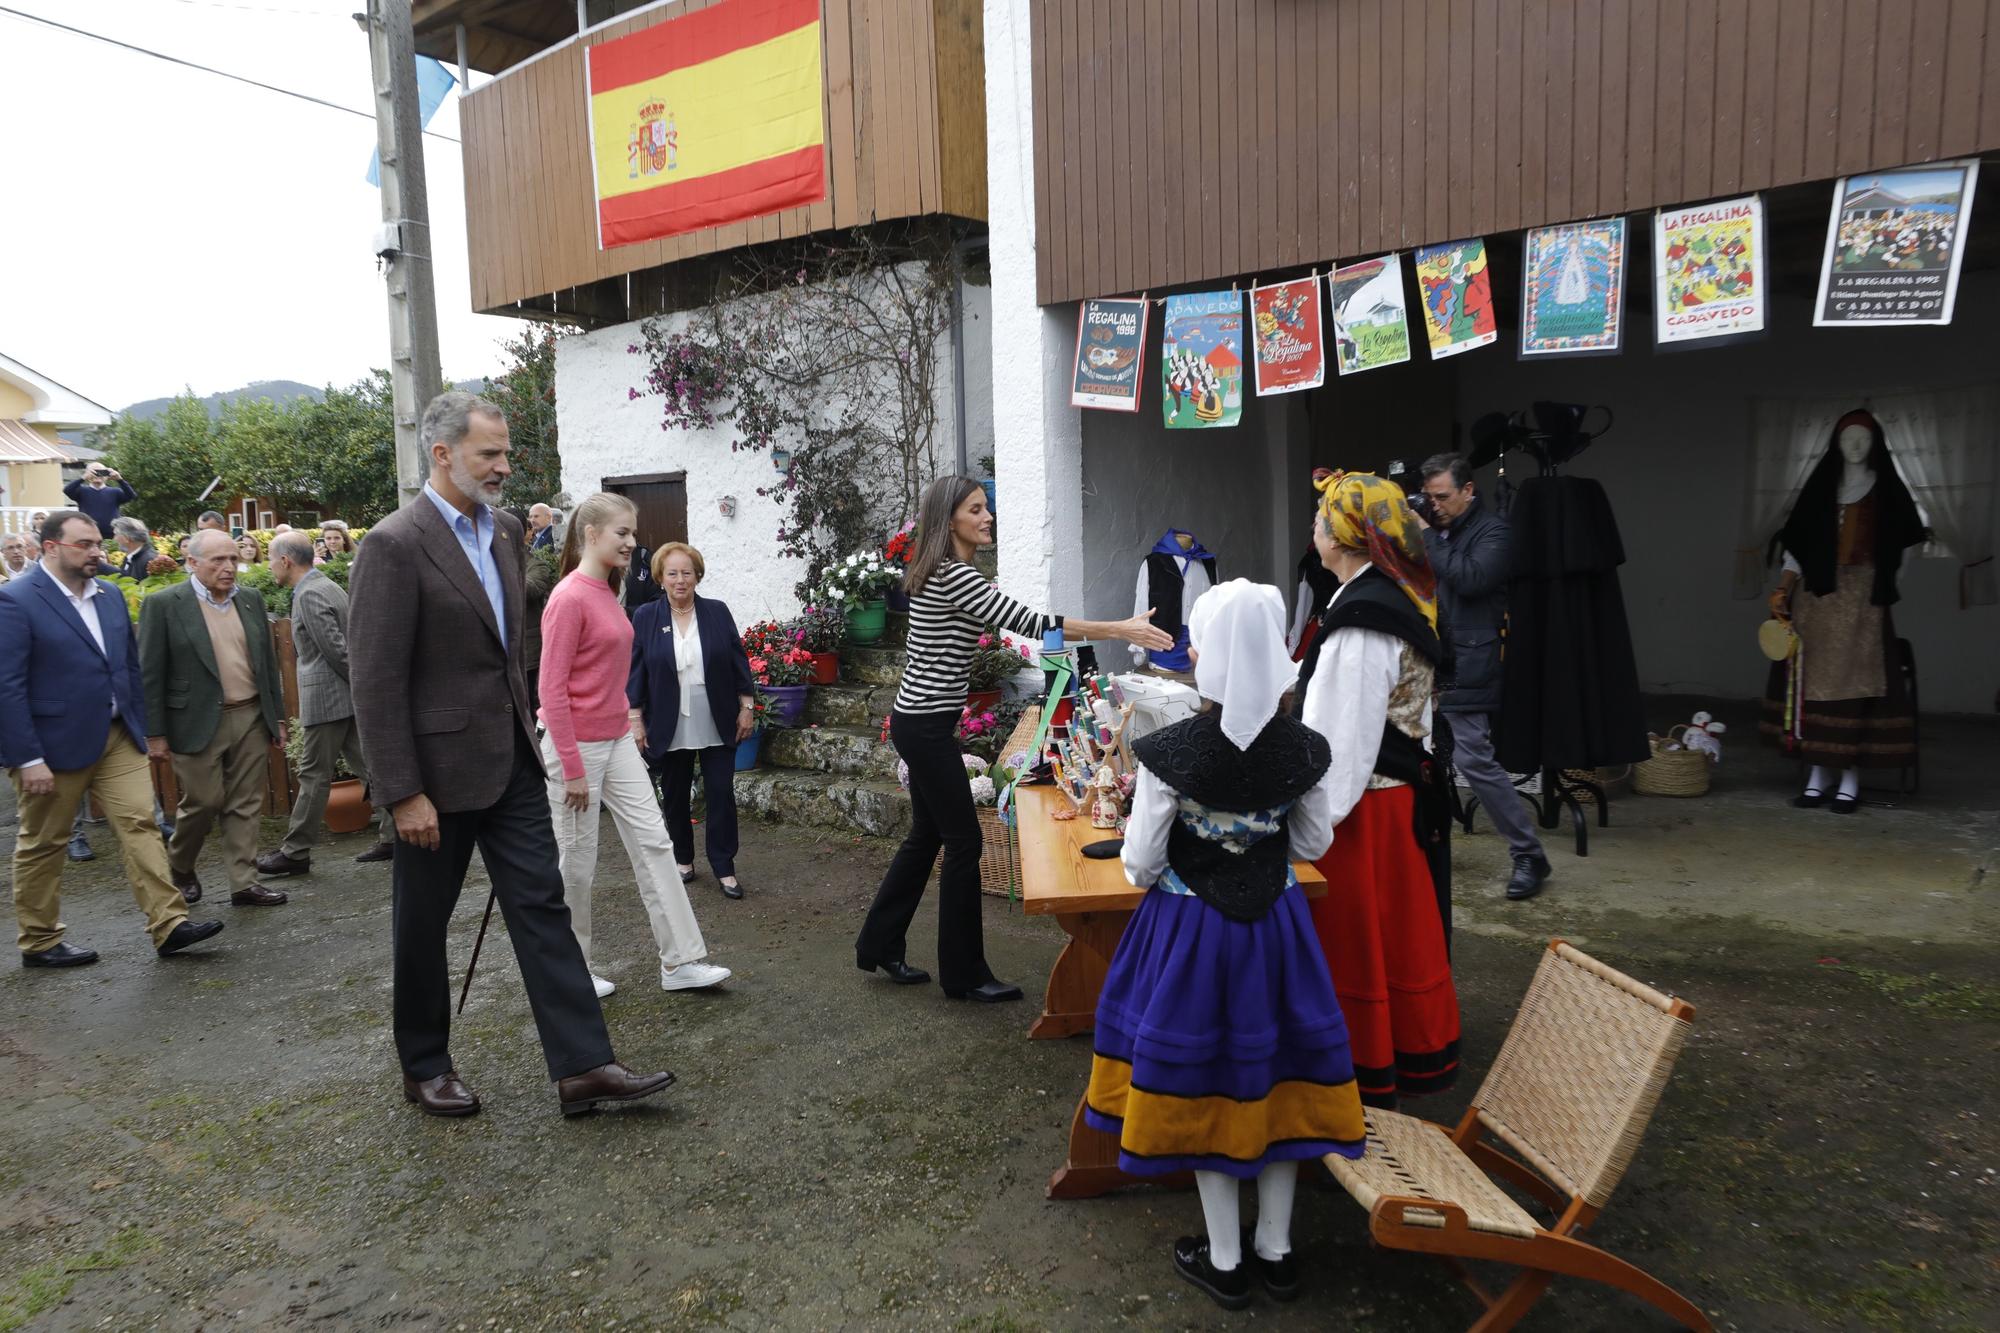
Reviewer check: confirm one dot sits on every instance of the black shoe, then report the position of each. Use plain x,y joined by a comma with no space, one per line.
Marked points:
730,890
690,875
1280,1277
275,863
190,887
79,848
381,851
188,934
1530,873
60,955
1229,1290
1812,798
899,972
993,992
1845,805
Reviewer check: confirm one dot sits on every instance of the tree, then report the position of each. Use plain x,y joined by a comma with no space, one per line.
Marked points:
169,460
351,437
526,393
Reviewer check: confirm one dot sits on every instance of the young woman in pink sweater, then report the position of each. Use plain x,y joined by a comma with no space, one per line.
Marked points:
589,751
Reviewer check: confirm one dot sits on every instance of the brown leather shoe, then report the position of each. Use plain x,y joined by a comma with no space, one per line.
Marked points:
275,862
189,885
580,1093
258,896
443,1095
381,851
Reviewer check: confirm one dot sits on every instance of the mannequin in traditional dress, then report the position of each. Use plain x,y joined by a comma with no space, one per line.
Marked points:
1844,542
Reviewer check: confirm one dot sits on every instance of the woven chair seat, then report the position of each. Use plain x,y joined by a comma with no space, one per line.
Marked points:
1412,1158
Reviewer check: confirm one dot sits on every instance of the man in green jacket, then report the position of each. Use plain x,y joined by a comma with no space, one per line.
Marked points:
215,701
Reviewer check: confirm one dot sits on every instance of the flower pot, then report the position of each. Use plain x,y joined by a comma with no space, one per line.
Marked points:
746,751
788,704
867,623
826,668
898,600
982,701
347,809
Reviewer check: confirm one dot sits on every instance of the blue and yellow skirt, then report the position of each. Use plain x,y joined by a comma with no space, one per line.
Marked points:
1220,1045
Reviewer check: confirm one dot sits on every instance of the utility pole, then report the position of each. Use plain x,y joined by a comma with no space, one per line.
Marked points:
413,336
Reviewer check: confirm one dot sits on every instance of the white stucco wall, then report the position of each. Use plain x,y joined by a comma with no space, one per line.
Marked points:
605,432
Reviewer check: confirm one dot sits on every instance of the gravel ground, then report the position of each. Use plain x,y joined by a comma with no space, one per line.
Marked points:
219,1141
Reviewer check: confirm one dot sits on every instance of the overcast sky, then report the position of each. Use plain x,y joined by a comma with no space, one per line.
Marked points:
164,228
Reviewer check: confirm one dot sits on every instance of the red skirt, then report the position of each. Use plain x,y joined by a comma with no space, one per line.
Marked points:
1378,923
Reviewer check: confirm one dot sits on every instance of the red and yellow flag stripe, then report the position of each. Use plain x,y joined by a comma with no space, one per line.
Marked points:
710,118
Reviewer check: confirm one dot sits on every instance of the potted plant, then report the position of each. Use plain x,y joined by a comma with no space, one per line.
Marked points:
760,718
993,665
901,547
783,675
859,586
347,807
820,631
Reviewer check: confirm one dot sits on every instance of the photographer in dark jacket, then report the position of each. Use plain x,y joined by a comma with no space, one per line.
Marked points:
1467,542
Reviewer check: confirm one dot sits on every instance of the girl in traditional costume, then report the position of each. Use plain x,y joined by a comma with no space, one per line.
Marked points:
1219,1044
1366,688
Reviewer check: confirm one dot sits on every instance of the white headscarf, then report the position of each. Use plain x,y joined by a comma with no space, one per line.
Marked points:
1237,630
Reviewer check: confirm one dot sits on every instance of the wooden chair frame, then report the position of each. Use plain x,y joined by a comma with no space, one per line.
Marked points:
1442,1228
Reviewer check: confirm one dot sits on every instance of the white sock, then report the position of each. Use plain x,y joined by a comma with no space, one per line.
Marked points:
1819,779
1222,1210
1850,783
1276,1185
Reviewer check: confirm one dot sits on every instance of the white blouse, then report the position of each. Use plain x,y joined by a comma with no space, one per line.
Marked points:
1155,806
1347,701
687,662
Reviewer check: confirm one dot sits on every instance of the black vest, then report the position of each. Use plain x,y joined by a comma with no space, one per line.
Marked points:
1200,763
1165,586
1376,602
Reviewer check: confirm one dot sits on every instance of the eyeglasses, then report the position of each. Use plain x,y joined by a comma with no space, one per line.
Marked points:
84,546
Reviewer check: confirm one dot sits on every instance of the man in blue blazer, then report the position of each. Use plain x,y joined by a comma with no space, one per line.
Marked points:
72,722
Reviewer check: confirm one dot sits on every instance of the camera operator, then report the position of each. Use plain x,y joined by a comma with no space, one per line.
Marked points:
95,496
1467,542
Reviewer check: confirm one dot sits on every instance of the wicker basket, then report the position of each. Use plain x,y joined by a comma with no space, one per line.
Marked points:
1023,733
999,867
1672,772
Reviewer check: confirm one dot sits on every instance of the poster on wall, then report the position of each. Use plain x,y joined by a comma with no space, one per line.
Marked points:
1110,350
1893,245
1201,361
1371,320
712,117
1457,288
1708,270
1573,289
1291,352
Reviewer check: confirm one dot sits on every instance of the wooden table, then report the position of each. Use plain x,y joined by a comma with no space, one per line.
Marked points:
1091,900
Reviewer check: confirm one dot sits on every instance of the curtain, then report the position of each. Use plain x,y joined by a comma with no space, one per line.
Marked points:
1945,445
1787,437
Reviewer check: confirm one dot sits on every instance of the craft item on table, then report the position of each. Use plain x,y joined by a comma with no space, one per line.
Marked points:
1105,810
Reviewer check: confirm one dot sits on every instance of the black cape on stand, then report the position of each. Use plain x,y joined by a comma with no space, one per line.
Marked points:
1569,685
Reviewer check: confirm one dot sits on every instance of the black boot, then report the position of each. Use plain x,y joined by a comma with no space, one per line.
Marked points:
1530,873
1230,1290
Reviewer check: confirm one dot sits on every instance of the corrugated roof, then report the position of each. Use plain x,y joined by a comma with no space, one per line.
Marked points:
19,444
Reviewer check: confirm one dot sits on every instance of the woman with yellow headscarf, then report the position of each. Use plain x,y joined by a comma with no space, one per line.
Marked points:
1366,686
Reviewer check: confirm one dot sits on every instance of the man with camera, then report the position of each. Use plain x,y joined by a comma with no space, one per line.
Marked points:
1468,545
95,496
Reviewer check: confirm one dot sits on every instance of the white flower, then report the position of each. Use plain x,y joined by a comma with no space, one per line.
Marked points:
982,791
853,559
973,763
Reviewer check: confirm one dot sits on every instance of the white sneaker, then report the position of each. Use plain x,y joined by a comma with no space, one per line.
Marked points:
692,976
602,986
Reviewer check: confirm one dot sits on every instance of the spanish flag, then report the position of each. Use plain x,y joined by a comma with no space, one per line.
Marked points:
710,118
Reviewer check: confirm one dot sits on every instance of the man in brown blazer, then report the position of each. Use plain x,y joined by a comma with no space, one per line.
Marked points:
434,627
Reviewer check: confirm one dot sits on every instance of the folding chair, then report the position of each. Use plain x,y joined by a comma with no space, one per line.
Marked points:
1568,1100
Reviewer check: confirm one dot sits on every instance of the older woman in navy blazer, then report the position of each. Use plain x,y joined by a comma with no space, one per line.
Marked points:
693,698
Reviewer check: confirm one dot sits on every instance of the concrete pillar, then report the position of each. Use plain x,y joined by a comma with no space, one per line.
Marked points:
1037,435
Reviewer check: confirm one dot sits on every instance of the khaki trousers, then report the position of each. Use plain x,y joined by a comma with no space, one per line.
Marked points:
226,782
325,742
121,780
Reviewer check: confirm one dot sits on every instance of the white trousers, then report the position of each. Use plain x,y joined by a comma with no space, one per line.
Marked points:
618,783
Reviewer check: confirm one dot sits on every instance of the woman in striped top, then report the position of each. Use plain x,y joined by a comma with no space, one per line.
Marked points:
950,604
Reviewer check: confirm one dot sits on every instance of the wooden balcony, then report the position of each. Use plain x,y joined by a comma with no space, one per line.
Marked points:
904,92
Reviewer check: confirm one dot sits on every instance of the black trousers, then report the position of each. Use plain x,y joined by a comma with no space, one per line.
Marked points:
718,781
941,815
518,844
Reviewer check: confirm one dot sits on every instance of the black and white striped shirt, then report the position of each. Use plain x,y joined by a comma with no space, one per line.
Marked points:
945,622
